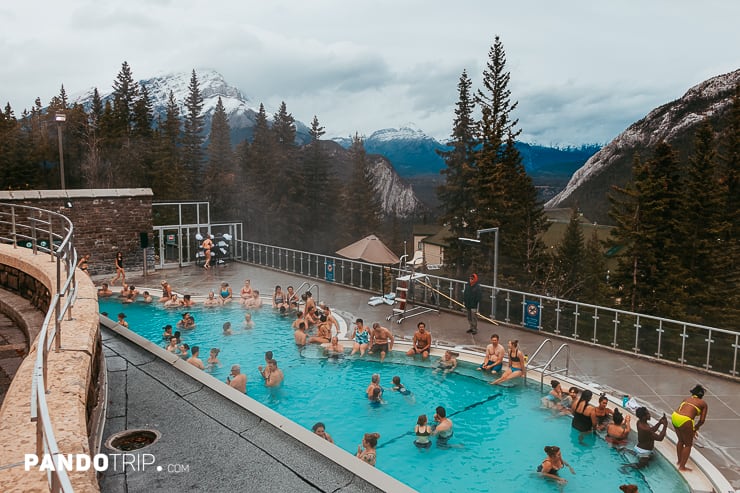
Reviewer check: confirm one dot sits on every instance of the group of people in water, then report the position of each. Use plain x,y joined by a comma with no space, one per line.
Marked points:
613,424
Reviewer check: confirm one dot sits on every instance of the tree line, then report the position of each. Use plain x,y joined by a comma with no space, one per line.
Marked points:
676,222
284,193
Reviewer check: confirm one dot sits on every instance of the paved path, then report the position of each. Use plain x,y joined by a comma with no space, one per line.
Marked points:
659,386
13,348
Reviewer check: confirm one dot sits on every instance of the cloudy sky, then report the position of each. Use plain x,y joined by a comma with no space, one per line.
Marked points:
581,70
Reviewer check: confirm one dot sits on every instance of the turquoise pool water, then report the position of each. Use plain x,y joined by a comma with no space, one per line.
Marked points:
499,432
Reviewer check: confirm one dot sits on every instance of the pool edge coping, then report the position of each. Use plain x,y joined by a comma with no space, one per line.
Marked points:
334,453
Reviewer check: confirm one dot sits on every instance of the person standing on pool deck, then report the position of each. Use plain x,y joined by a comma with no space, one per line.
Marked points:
120,273
684,421
207,245
421,343
471,298
237,379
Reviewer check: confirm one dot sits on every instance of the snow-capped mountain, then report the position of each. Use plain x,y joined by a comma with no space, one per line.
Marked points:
240,110
675,123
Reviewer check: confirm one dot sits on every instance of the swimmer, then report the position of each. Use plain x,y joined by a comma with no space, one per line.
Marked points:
147,297
619,429
121,320
374,384
422,431
334,349
320,430
366,452
553,463
248,322
443,430
447,363
300,335
227,328
104,291
399,387
213,360
553,399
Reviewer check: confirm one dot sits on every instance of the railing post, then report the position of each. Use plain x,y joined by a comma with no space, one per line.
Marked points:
709,342
13,232
595,318
734,357
57,317
684,335
557,317
51,238
508,307
575,322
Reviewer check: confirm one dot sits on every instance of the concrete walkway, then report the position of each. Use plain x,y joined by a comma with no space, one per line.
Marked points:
208,442
660,387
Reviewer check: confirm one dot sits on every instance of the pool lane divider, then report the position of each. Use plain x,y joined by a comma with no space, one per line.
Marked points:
466,408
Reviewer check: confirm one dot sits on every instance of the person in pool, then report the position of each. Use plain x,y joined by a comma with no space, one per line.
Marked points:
320,430
422,430
603,414
553,463
213,360
399,387
334,349
443,431
211,300
584,419
366,451
553,399
517,367
618,430
374,384
447,363
687,419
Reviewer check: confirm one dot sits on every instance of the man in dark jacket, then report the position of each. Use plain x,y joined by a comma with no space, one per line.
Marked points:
471,297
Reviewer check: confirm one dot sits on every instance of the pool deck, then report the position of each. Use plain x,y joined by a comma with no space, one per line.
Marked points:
660,387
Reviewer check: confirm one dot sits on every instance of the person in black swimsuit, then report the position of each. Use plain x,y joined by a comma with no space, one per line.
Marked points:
553,463
584,417
120,273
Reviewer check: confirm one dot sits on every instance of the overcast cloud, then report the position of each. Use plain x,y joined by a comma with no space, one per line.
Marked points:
582,71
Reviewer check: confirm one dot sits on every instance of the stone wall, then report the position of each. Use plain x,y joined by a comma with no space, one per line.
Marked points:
105,221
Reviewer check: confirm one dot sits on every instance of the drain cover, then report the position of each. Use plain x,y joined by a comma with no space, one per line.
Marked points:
129,440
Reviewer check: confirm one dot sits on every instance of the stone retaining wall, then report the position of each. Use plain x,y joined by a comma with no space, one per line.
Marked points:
70,375
105,221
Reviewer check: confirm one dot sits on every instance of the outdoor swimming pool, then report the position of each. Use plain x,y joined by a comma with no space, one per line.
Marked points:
500,432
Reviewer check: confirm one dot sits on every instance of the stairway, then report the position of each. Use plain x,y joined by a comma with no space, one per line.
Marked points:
13,348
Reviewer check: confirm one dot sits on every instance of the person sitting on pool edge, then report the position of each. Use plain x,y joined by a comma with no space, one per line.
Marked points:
493,361
517,367
421,342
646,437
381,341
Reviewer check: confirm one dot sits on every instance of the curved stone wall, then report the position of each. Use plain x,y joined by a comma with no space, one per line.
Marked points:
70,375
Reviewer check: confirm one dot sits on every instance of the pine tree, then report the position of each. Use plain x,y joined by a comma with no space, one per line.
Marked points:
219,182
319,182
595,284
361,210
706,258
168,161
569,260
192,152
505,195
457,193
125,95
257,162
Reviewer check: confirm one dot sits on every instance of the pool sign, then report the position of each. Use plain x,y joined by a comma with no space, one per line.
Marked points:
330,270
532,314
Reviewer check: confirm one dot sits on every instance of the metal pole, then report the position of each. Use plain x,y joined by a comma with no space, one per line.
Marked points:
495,273
60,118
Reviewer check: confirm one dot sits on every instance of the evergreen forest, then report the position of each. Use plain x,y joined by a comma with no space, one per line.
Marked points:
674,247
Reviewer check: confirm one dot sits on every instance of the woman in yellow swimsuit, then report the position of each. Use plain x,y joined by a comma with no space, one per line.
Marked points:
686,425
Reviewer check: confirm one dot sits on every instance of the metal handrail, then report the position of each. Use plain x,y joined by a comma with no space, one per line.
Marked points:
36,231
711,349
536,352
546,369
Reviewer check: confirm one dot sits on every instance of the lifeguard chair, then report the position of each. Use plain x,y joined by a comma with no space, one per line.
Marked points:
404,297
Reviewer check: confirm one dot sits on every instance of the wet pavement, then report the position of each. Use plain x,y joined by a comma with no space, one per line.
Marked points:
658,386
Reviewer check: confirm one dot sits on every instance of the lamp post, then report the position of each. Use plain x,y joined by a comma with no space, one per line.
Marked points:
60,119
495,261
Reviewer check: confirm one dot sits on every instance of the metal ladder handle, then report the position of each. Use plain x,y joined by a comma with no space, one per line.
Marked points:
546,368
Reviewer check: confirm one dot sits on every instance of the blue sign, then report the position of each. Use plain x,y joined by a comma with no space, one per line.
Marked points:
532,314
329,270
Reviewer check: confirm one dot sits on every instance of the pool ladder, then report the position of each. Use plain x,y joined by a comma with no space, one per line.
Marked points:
546,368
308,286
